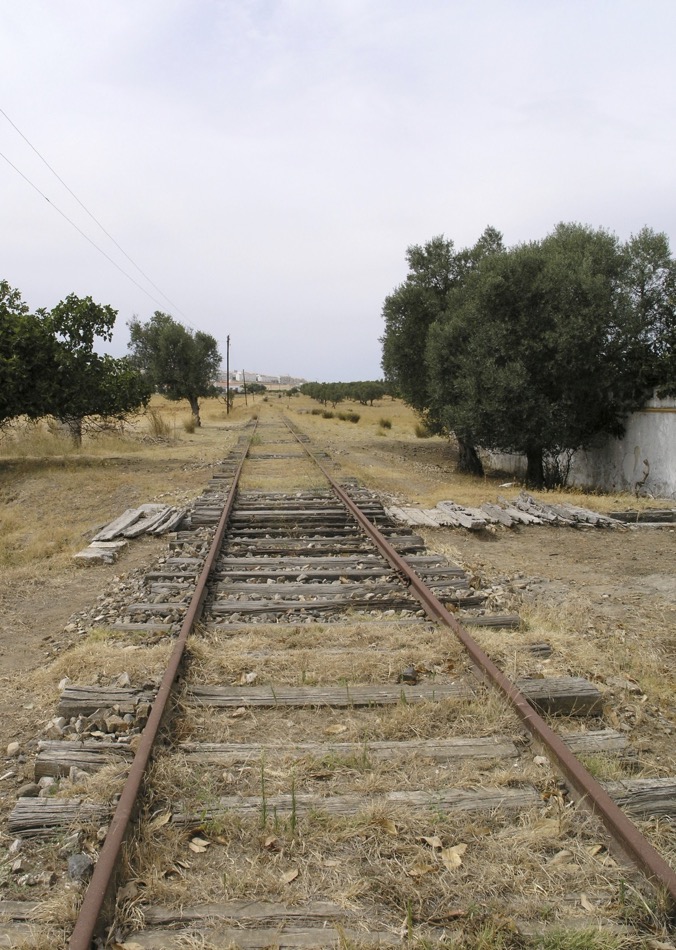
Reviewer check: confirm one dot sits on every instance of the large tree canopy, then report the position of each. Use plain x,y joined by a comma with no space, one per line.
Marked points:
26,356
521,356
48,365
650,286
86,384
540,348
436,271
176,362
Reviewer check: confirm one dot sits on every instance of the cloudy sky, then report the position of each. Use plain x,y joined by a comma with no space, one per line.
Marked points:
266,163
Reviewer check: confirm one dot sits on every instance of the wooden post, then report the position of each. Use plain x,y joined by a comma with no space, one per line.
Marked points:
227,374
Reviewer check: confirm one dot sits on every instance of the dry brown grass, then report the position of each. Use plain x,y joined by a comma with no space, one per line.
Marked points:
299,656
449,717
77,491
378,863
278,475
98,660
335,771
100,787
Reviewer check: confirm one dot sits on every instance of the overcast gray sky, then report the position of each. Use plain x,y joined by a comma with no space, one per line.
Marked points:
267,162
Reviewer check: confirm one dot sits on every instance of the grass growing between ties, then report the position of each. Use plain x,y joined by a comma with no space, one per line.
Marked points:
301,656
281,475
460,872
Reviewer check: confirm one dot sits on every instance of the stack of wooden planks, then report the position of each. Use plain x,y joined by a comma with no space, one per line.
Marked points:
106,545
523,510
146,519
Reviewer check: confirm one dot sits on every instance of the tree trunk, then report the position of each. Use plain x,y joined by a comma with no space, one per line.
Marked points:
195,409
469,462
74,426
535,472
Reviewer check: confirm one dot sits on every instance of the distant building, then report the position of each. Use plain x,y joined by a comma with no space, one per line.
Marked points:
240,377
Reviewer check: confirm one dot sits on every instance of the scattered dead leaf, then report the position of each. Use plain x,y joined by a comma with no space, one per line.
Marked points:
239,712
561,857
198,845
434,841
272,843
587,904
419,870
159,820
128,892
290,876
549,826
452,857
335,730
387,825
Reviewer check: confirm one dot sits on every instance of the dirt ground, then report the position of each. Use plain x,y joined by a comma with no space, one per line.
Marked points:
617,588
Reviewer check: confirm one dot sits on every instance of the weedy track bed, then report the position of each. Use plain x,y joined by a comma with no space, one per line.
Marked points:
333,771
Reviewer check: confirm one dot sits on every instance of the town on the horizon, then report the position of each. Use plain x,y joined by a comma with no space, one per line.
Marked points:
239,377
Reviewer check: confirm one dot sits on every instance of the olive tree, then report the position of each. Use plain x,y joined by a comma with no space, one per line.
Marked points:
535,353
436,271
48,364
177,362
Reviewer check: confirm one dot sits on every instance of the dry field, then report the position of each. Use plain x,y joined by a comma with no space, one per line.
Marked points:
604,600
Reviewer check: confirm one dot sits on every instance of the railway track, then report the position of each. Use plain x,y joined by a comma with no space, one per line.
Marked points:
325,761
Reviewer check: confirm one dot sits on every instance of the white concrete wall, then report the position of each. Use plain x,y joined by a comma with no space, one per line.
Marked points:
644,460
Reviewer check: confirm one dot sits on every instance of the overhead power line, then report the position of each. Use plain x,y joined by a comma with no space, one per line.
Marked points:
94,219
80,231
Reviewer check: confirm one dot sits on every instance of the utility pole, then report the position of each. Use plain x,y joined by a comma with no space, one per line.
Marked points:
227,374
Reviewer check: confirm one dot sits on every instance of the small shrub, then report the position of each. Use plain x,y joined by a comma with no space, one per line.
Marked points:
159,427
327,414
315,412
343,416
421,431
189,424
385,423
353,416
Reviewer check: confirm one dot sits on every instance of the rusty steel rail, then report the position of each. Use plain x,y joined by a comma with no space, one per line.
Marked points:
622,830
100,891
